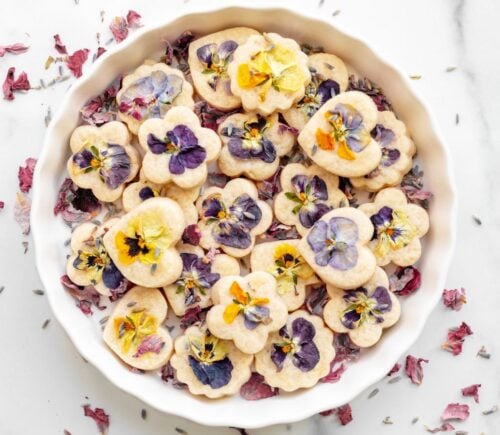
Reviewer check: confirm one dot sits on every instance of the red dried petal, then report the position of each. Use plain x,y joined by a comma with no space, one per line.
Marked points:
10,84
405,281
454,298
59,46
394,370
473,391
191,235
256,389
84,296
455,411
192,316
414,369
445,427
133,19
119,28
99,416
16,48
456,338
100,51
344,413
25,175
327,412
335,374
152,343
345,349
2,205
76,60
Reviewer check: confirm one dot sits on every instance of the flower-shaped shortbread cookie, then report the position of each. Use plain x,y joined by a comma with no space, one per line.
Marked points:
269,73
142,243
297,356
103,159
246,310
329,77
338,139
253,145
208,365
232,217
209,58
336,248
134,330
398,228
282,259
364,312
89,263
199,273
397,152
177,148
306,195
150,92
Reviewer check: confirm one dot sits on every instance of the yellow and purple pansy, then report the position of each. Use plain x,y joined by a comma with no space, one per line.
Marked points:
250,142
334,243
215,59
183,147
297,345
348,134
197,277
393,230
111,161
363,307
309,194
231,224
209,360
318,92
254,310
288,267
150,96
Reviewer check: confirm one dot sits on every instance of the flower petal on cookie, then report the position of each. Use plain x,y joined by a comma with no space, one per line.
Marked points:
256,314
231,234
111,276
246,210
152,343
216,374
206,52
327,89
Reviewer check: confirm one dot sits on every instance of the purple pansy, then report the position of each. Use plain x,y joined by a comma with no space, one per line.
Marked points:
146,193
196,276
298,345
363,307
182,146
334,243
151,96
348,126
110,160
250,142
317,93
309,194
384,137
216,58
255,314
231,225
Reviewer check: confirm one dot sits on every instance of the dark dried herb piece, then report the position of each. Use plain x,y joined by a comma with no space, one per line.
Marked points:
366,86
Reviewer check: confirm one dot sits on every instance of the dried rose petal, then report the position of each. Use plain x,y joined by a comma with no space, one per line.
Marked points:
279,231
191,235
454,298
100,51
445,427
455,411
102,108
59,46
328,412
210,117
85,296
316,299
10,84
76,204
76,60
417,196
270,187
192,316
99,416
119,28
133,19
17,48
345,349
152,343
335,374
25,175
22,209
414,369
167,372
2,205
344,413
256,389
394,370
456,338
366,86
217,179
405,281
473,391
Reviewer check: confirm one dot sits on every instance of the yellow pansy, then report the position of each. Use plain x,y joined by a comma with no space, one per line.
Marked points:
207,348
133,328
288,266
394,234
241,302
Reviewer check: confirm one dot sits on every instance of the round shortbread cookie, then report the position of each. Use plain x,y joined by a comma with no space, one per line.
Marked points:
246,310
307,193
208,60
142,243
208,365
336,247
90,263
338,139
150,92
365,312
199,273
329,77
178,148
282,259
398,227
231,218
268,73
297,356
103,159
134,331
253,145
397,152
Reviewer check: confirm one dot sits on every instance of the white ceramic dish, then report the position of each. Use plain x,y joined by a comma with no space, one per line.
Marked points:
50,233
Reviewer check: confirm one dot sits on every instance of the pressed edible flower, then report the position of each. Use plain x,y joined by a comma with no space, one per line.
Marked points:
76,204
134,328
456,338
215,59
191,235
405,281
317,93
289,266
256,389
365,308
84,296
151,343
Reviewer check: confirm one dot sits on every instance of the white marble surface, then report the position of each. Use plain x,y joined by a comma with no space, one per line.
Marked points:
44,382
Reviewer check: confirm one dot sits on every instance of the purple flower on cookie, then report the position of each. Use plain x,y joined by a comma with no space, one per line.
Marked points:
216,58
363,307
317,93
384,137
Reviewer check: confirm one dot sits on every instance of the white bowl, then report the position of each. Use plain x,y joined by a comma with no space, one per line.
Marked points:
50,233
